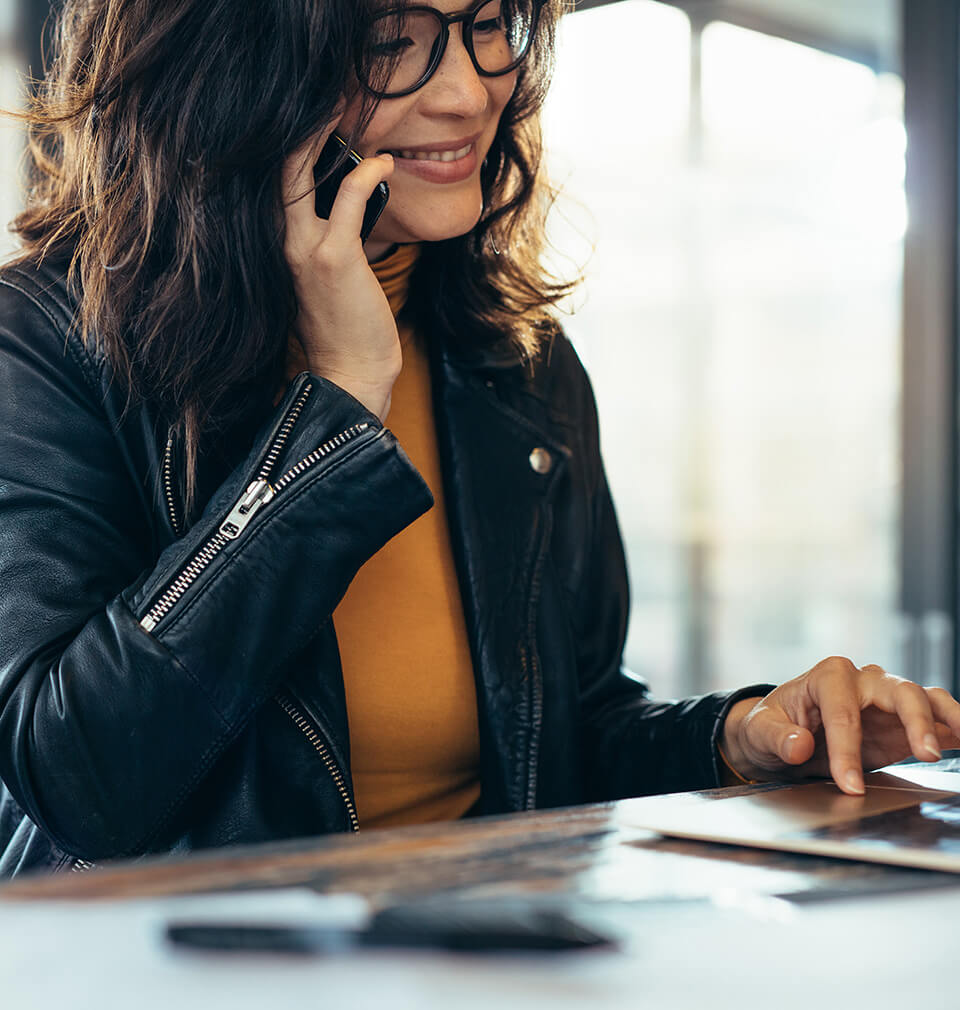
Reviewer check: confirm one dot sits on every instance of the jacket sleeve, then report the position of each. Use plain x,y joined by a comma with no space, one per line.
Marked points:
106,727
633,744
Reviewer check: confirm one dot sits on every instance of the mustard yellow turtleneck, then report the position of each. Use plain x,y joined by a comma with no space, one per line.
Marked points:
411,696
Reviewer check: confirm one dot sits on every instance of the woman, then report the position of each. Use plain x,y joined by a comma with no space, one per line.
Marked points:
197,484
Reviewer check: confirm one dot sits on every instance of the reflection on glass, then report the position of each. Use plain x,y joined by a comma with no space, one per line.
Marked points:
11,152
11,140
741,322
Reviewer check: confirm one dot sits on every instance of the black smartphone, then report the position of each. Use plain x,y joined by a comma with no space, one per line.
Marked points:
328,182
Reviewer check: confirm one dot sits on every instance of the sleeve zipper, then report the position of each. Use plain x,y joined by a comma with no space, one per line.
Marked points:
259,493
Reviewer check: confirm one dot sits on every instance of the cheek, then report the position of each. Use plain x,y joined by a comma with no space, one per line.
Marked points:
386,118
501,91
350,117
424,213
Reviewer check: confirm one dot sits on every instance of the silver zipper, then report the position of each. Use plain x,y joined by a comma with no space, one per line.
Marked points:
537,719
268,462
310,732
318,454
293,415
168,486
183,581
536,674
257,494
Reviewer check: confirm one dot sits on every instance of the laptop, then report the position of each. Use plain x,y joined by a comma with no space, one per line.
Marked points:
909,816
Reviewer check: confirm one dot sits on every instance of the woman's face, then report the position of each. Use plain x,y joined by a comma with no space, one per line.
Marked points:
455,114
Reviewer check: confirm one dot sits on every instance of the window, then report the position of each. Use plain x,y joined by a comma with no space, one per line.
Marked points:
741,322
11,140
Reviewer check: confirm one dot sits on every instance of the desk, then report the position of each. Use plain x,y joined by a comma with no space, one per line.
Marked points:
698,926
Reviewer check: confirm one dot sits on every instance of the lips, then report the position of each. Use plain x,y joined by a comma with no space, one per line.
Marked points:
452,161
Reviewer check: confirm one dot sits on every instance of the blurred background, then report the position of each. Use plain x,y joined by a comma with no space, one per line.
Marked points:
764,193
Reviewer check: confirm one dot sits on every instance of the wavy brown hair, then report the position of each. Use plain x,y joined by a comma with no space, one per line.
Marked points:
490,285
156,146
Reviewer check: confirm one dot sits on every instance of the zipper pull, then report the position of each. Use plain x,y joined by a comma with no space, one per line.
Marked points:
258,493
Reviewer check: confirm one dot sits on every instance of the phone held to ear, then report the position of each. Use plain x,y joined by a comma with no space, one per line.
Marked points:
328,187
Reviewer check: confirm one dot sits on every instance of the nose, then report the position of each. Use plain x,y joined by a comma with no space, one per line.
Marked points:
456,88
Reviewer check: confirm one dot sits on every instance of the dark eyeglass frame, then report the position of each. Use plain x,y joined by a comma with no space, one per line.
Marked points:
466,18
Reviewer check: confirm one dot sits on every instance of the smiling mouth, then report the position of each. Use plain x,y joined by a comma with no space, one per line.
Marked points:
456,155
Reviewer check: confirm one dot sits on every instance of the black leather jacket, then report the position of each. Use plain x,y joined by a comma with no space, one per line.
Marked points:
169,688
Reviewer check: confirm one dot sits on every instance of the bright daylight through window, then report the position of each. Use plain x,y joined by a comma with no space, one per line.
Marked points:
741,322
11,142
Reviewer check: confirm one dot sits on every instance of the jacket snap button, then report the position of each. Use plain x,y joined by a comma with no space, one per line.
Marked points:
541,461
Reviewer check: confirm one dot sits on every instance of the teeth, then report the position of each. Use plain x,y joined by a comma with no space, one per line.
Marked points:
435,155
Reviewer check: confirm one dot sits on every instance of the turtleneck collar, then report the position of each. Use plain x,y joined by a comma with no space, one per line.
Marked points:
394,272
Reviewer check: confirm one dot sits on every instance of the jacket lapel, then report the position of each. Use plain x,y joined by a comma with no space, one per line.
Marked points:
500,468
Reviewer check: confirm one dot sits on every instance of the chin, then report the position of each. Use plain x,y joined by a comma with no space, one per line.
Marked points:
430,221
432,229
440,234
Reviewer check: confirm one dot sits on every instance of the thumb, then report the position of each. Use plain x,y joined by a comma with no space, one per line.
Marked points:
770,734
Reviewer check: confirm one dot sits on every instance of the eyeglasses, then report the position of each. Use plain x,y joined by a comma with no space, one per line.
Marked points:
404,46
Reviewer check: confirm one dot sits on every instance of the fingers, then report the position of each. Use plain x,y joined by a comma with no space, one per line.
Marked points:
915,713
843,691
771,734
946,709
346,216
304,230
797,745
919,711
297,176
865,715
836,693
947,738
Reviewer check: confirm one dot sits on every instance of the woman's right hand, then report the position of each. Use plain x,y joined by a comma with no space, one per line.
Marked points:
344,324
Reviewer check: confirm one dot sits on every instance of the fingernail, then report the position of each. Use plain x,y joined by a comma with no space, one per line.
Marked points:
854,781
791,740
387,156
932,746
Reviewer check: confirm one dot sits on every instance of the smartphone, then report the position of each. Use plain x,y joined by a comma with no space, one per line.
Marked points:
328,183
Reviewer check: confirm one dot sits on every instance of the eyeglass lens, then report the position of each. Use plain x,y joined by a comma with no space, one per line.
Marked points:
402,46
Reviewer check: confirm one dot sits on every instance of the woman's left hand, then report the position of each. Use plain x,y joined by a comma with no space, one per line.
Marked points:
838,720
